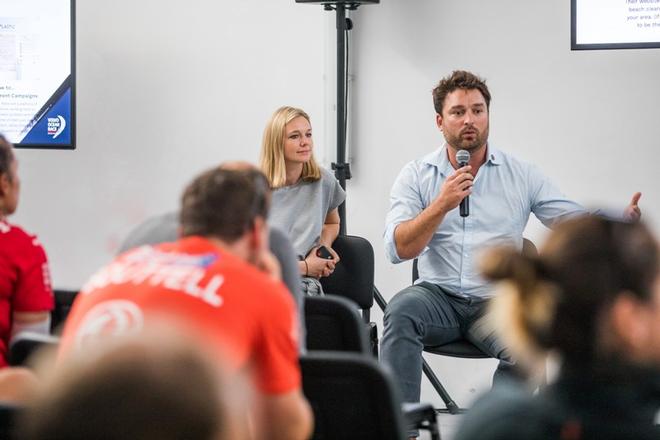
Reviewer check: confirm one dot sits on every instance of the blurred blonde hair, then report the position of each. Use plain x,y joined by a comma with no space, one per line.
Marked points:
523,307
560,299
272,149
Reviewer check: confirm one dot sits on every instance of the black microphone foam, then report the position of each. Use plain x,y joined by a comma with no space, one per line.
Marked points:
463,157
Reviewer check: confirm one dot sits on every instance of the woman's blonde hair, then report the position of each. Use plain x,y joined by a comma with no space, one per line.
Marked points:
272,149
557,300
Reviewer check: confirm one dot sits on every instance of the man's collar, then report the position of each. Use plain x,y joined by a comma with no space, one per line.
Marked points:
493,156
439,159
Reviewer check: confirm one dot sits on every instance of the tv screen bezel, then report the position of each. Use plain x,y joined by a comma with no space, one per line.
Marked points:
72,79
603,46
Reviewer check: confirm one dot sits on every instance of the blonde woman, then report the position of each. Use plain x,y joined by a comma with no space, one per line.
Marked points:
305,196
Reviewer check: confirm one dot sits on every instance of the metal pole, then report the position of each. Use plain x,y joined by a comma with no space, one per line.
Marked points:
340,170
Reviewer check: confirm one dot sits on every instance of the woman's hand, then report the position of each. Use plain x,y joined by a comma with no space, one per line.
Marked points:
320,267
335,256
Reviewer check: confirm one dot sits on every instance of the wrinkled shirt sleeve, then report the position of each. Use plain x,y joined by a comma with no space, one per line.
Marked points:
548,203
405,204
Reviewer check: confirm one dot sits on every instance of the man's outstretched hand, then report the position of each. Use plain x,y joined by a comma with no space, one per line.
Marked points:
632,212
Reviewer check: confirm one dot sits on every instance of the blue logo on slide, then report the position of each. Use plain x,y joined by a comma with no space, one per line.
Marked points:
53,127
56,126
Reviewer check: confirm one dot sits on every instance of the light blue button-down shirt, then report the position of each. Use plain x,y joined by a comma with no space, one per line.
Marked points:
504,193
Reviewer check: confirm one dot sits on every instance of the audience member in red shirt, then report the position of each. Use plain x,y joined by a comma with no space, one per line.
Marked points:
26,297
219,282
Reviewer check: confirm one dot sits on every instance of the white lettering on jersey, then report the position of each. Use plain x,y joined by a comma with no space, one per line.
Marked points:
45,273
210,292
160,269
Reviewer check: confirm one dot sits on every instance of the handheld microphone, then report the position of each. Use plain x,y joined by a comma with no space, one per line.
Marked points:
463,157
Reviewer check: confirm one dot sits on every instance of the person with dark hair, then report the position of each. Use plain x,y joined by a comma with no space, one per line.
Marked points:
26,296
424,222
163,387
593,298
221,282
165,228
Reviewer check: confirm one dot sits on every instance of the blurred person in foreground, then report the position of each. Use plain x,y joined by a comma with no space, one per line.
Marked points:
593,298
26,296
157,387
220,282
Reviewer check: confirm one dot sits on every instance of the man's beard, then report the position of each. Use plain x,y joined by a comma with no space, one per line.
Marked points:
459,143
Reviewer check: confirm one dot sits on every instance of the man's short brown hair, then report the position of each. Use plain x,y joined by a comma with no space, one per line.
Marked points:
459,79
224,203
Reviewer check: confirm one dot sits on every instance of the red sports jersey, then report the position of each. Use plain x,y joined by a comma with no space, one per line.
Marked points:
24,279
227,303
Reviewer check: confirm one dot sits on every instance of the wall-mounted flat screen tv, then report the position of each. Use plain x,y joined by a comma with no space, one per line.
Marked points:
615,24
37,73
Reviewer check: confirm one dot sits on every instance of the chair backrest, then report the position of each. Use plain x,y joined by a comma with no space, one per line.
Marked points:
353,277
333,323
63,301
351,397
415,271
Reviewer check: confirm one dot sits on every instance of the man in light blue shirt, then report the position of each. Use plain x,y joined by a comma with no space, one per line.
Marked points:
450,296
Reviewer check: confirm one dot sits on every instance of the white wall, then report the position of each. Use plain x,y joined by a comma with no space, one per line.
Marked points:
588,119
165,91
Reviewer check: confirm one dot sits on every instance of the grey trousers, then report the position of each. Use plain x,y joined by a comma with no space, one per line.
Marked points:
426,315
311,287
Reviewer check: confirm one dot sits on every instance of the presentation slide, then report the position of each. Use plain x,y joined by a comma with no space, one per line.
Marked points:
36,73
603,24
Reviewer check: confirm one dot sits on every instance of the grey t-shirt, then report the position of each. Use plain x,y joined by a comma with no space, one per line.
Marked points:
300,210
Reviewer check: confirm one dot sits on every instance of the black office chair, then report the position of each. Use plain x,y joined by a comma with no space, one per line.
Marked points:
352,397
353,278
333,323
63,301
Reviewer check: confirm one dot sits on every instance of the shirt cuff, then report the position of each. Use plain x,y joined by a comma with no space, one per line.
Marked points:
390,244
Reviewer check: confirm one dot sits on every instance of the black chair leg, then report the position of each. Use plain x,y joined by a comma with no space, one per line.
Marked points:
379,299
452,407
